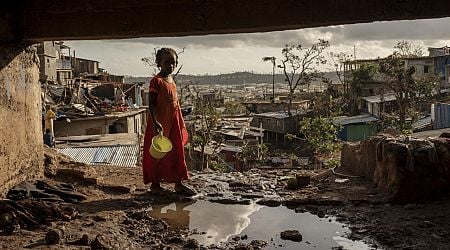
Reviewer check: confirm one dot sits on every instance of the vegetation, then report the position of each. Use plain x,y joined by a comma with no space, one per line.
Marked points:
299,65
399,78
320,132
207,119
234,108
360,77
255,152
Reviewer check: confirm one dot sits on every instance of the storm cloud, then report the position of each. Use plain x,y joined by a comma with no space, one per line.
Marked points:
431,29
214,54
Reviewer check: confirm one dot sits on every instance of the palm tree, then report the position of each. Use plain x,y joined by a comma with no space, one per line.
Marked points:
272,59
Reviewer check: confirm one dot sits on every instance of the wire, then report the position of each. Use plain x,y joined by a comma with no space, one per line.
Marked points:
344,175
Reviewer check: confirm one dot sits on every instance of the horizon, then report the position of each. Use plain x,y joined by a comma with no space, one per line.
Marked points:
243,52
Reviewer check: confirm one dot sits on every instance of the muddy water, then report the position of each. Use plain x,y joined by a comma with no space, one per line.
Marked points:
218,224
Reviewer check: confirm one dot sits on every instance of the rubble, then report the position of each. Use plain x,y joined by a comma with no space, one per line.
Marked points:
293,235
408,169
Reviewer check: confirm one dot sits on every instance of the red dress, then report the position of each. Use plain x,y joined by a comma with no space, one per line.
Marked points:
172,167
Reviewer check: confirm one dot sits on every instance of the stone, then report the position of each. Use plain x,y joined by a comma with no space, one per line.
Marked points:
258,243
274,202
243,246
303,180
100,243
192,244
293,235
292,183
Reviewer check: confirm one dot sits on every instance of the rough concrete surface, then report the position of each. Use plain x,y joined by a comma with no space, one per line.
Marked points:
20,116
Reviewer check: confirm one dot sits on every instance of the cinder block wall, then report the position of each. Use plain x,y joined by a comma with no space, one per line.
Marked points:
21,154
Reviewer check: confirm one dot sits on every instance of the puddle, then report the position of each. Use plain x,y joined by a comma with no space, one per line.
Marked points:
218,223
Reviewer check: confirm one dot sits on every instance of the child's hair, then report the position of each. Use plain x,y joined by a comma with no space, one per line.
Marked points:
163,51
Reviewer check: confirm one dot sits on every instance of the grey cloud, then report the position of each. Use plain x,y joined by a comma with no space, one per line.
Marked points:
433,29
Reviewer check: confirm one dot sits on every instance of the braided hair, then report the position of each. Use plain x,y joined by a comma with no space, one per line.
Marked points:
163,51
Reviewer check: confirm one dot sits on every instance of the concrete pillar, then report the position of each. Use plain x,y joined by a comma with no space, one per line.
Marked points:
21,153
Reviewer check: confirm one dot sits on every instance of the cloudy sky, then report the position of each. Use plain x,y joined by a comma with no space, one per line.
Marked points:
215,54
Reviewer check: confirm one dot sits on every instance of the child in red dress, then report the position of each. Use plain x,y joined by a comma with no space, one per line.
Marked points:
165,115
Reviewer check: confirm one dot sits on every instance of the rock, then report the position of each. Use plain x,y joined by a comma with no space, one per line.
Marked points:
293,235
231,201
321,213
100,243
274,202
176,240
83,241
292,183
250,195
192,244
303,180
300,210
243,246
258,243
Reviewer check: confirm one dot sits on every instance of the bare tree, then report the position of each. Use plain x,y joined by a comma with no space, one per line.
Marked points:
299,65
400,78
151,62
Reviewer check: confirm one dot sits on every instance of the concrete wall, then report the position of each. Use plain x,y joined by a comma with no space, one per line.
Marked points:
48,55
21,155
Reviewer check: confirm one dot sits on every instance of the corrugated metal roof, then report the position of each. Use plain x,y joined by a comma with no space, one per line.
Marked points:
354,119
120,155
388,97
422,122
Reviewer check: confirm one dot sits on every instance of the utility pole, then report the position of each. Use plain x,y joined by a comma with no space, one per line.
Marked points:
273,79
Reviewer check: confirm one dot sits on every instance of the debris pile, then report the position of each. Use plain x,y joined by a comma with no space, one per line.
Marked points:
86,98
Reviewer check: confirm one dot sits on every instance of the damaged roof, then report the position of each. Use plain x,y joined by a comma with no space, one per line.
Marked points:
344,120
120,155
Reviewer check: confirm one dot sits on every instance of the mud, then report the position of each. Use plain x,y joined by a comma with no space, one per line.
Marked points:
120,213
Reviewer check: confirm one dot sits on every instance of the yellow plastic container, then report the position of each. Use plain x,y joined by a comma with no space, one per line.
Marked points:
161,145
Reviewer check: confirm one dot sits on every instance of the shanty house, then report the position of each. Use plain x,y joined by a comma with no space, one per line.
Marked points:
131,121
356,128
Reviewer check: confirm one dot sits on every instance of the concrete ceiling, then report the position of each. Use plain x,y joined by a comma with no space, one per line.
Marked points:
38,20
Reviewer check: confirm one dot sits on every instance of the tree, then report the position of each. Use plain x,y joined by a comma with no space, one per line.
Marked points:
398,77
360,77
299,65
206,119
338,60
150,62
273,60
408,49
320,132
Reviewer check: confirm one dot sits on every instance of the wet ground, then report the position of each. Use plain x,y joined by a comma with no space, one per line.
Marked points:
237,211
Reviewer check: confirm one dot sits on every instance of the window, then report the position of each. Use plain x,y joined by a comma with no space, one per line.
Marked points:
426,69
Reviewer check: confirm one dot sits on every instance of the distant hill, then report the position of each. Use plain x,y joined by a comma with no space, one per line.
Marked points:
230,79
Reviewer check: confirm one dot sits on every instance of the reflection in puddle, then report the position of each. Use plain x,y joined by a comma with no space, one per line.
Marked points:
220,222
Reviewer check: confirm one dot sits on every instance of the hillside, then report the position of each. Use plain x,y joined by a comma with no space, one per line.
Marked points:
230,79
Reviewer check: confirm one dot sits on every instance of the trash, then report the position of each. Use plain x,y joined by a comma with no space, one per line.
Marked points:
344,180
54,236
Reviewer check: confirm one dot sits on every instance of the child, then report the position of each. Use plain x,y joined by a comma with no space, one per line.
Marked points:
165,115
48,138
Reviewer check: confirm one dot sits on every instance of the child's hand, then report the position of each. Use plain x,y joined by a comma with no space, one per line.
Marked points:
158,127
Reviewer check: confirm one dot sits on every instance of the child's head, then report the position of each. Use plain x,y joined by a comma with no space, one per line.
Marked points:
167,60
47,131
